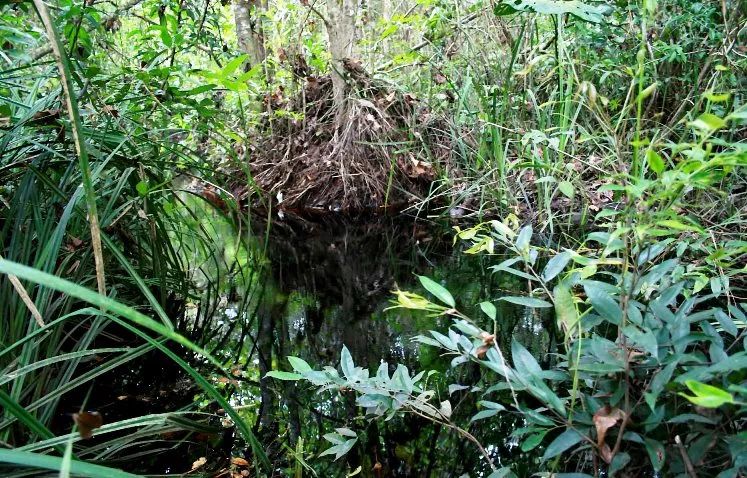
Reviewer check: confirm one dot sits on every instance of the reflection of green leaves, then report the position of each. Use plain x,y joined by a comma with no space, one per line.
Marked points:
438,290
584,11
707,396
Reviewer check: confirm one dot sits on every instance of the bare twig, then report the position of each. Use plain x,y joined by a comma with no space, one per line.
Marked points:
685,458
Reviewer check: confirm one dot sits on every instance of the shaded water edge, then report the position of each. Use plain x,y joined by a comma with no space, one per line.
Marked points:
306,288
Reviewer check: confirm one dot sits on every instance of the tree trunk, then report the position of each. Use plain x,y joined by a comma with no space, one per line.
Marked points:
341,34
248,17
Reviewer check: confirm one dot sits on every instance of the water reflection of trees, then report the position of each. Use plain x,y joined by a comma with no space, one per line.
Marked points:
325,284
305,288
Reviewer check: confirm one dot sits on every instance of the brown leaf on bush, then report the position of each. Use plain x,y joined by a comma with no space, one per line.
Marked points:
87,422
604,419
606,453
238,461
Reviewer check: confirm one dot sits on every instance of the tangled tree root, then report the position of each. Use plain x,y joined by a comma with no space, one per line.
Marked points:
381,149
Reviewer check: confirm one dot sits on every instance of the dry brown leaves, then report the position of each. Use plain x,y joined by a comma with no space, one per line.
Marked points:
604,419
87,422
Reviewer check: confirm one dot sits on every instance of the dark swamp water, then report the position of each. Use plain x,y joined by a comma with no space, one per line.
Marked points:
306,288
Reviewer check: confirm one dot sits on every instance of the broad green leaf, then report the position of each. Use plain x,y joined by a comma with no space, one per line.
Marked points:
566,188
584,11
726,323
527,301
658,383
346,432
556,265
524,237
716,97
524,362
299,364
281,375
483,414
531,442
340,450
655,162
708,122
347,364
604,304
489,309
232,66
142,188
504,472
563,442
643,339
706,395
437,290
656,453
678,225
565,310
618,463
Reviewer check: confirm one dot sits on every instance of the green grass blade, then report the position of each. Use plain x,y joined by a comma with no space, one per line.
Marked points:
71,103
46,462
74,290
12,407
13,374
114,250
244,429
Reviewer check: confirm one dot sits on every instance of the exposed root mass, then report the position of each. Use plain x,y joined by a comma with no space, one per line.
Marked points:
365,155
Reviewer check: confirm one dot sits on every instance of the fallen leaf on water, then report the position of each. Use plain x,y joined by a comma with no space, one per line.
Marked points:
198,463
87,422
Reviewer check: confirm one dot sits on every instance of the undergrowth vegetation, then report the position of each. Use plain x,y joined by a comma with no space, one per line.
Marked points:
595,152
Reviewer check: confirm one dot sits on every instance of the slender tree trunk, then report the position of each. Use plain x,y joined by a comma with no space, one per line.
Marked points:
247,14
341,34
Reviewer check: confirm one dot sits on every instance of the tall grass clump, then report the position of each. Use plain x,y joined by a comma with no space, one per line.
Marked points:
88,192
